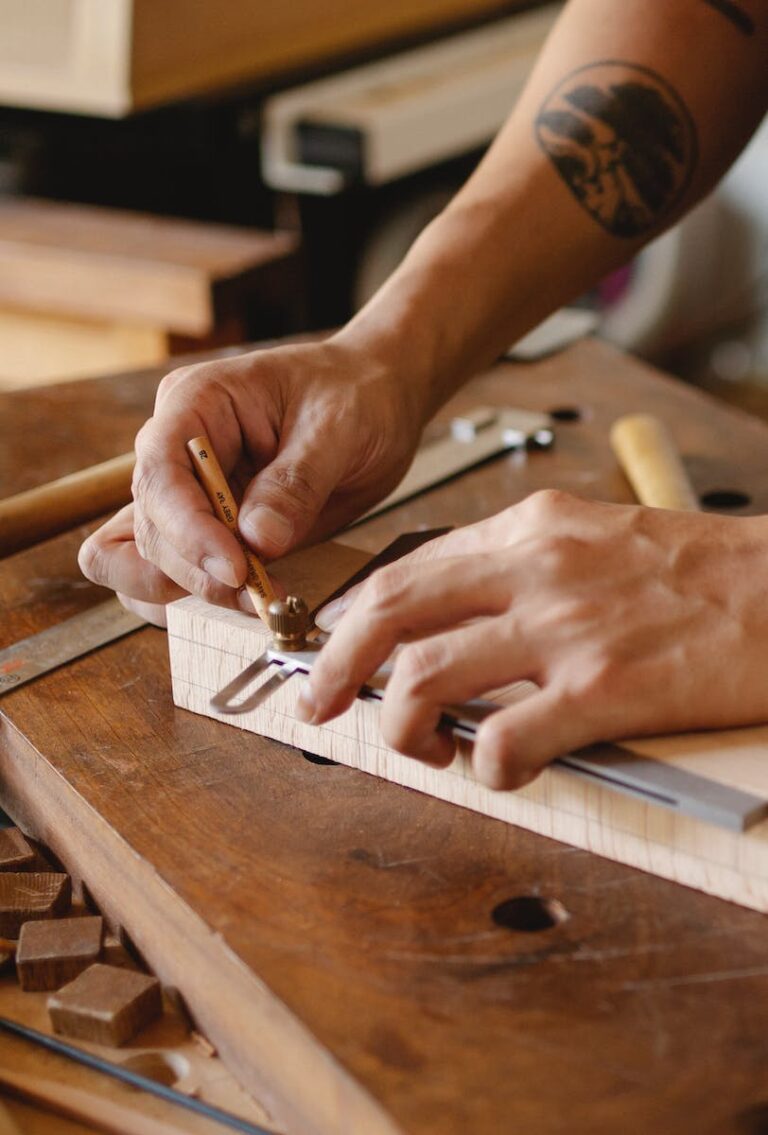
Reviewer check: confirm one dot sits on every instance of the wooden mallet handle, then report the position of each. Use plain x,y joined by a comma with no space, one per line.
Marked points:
40,513
652,463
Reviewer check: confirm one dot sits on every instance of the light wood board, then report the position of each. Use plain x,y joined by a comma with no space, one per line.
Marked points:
209,646
111,58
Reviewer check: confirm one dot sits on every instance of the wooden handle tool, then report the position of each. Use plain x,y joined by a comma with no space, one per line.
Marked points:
37,514
211,476
652,463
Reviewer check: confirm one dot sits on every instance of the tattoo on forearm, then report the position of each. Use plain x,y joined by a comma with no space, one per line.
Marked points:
624,143
735,13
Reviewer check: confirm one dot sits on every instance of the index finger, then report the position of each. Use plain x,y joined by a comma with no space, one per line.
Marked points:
398,603
174,517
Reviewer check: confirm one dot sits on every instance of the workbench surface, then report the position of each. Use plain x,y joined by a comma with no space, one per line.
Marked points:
333,933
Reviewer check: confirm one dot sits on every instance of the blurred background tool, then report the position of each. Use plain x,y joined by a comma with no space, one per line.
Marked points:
35,515
652,463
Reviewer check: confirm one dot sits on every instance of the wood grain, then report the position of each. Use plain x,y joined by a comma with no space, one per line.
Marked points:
98,1114
50,954
114,58
87,262
37,514
210,646
29,895
334,934
106,1005
167,1052
15,852
39,349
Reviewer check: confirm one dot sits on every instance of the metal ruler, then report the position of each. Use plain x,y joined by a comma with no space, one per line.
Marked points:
475,437
43,652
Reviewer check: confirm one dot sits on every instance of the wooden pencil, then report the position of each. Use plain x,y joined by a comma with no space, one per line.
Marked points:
211,476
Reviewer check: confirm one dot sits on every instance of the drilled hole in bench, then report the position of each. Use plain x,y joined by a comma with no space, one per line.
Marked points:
753,1121
566,414
529,913
725,499
315,759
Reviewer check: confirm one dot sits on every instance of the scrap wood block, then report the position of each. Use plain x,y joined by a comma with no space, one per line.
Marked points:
84,289
114,953
28,896
52,953
210,646
88,262
106,1005
15,853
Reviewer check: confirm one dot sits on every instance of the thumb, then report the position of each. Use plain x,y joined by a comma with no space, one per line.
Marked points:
514,744
283,501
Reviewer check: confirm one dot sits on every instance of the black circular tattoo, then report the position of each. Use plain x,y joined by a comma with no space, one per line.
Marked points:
623,141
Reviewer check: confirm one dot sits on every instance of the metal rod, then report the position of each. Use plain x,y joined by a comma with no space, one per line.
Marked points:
162,1091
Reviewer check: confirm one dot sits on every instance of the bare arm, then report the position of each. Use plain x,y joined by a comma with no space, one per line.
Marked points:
633,112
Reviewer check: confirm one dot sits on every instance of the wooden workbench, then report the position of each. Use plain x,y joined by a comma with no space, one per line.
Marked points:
333,933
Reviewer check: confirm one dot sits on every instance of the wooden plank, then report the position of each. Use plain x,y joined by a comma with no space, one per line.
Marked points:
209,647
38,349
90,263
408,111
52,953
342,940
111,59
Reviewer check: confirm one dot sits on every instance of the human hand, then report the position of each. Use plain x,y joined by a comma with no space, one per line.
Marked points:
309,435
629,621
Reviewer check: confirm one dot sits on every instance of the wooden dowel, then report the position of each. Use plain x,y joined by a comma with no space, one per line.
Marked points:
652,463
37,514
211,475
96,1111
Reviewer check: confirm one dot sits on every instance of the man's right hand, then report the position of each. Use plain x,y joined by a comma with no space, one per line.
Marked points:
309,436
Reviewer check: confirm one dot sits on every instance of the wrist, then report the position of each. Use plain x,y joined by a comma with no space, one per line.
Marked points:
382,352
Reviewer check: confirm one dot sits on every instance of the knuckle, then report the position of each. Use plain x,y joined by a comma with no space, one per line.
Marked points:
548,502
144,441
172,380
384,590
145,485
146,537
199,583
418,665
297,481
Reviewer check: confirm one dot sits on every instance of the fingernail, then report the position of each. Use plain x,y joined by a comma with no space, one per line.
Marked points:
305,705
265,527
222,570
327,617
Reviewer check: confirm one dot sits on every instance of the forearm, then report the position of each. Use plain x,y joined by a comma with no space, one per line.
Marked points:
596,159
